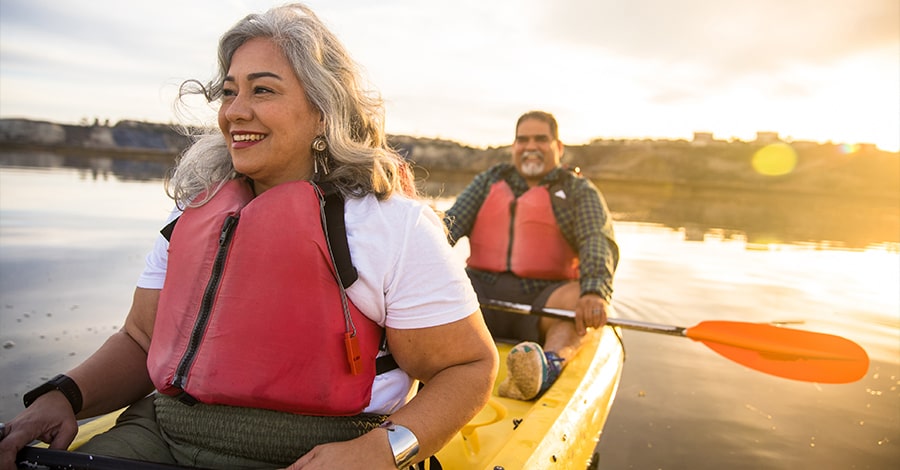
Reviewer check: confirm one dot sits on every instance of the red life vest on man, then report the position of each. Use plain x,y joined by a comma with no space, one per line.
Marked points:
520,235
251,314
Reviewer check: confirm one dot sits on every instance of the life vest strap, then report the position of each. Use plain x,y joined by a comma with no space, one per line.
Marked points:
337,235
385,364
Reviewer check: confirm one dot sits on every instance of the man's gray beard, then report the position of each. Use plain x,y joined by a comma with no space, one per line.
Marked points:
532,168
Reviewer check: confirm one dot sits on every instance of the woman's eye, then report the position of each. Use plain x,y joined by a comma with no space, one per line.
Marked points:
228,93
261,90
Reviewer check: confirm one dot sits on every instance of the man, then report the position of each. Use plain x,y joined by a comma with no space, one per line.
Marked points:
539,234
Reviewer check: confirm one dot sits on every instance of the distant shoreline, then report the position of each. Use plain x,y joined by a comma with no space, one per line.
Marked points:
825,170
118,152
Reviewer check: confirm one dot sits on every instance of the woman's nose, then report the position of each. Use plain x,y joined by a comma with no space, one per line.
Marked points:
237,109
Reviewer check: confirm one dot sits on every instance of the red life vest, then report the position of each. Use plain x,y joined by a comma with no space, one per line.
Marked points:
250,313
521,235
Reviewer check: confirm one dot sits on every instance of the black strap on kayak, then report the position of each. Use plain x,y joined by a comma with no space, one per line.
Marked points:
433,464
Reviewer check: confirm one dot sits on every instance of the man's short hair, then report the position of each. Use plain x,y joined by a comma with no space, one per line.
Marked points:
541,116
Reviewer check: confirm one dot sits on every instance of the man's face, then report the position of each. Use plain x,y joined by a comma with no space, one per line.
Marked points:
535,151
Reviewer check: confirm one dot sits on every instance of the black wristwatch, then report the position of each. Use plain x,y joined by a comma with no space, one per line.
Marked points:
64,384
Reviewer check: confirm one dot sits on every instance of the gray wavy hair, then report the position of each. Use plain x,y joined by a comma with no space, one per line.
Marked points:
358,156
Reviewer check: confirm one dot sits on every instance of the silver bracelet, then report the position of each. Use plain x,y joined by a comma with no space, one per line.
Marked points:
403,443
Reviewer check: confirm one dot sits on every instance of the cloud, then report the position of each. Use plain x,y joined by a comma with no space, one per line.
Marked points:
149,32
714,44
465,70
69,60
765,32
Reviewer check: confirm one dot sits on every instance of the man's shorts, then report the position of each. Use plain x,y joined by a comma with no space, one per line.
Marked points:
513,327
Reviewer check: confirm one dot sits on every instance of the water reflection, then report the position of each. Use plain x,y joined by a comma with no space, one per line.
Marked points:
135,168
72,243
762,218
757,218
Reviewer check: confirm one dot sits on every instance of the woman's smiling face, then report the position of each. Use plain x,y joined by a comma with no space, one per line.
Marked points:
266,117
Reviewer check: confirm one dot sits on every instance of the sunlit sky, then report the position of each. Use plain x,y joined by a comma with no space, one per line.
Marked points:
464,70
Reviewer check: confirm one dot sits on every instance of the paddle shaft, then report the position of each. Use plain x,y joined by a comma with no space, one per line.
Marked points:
50,459
524,309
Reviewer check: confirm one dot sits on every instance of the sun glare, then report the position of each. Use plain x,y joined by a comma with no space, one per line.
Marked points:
775,160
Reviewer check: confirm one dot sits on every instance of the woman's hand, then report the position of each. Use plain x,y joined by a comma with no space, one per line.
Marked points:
370,451
114,376
49,419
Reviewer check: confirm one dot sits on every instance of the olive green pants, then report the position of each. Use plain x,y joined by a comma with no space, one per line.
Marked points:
161,429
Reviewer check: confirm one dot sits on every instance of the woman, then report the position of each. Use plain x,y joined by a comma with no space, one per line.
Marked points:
249,314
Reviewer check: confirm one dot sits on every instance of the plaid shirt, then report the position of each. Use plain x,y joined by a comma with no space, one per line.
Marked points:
582,217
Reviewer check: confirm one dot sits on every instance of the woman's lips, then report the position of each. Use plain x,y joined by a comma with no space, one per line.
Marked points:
241,140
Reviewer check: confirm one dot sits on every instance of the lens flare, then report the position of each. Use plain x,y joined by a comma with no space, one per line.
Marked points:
847,149
775,160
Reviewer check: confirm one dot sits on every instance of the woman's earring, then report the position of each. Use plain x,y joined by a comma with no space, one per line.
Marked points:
319,146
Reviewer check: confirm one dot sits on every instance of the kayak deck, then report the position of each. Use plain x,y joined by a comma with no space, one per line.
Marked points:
560,429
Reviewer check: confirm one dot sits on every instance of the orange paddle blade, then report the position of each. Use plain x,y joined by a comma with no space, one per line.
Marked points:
784,352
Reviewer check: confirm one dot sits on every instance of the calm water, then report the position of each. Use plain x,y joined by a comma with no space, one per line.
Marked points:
73,235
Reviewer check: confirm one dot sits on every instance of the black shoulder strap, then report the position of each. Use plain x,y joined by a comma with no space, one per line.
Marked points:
337,238
337,235
563,177
167,230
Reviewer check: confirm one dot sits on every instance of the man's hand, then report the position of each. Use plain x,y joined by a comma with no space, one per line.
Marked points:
590,312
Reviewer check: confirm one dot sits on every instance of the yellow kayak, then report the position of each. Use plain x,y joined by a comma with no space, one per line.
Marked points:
559,430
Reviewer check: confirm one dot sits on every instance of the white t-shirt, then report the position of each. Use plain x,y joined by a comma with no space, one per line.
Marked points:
408,276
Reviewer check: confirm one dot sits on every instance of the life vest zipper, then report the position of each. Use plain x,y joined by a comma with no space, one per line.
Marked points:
512,235
209,294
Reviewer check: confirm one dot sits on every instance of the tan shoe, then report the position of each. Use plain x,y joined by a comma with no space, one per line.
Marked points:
527,372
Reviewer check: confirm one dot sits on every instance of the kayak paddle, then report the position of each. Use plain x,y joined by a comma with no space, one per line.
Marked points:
52,459
783,352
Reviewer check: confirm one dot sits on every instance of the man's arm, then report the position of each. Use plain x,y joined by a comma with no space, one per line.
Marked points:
597,249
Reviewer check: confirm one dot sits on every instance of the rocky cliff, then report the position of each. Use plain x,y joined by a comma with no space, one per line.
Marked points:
125,137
